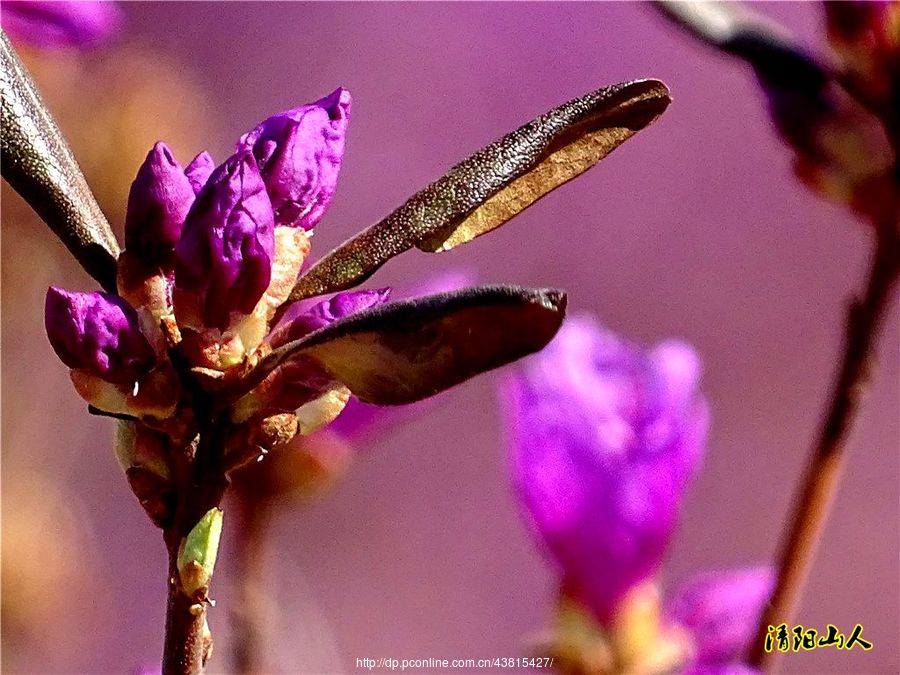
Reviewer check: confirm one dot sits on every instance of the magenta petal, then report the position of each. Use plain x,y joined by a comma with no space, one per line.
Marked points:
721,610
97,332
302,318
299,153
158,203
603,439
225,252
60,24
199,171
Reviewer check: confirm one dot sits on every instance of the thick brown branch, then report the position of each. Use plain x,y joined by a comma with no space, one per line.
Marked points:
823,472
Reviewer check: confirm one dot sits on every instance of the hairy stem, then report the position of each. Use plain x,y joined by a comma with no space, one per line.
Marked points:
821,480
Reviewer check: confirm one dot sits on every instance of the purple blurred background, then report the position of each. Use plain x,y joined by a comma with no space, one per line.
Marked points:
696,228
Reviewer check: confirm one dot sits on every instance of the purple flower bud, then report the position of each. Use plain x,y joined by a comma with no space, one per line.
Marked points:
158,203
99,333
603,439
60,24
199,171
299,153
224,258
300,318
721,610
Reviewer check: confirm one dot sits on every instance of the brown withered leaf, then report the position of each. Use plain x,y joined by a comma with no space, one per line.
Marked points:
405,351
39,165
484,191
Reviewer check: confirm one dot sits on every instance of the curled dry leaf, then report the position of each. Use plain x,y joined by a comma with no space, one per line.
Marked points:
39,165
406,351
484,191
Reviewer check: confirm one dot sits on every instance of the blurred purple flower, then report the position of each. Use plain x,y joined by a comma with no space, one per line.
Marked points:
99,333
224,257
604,438
66,23
721,611
299,153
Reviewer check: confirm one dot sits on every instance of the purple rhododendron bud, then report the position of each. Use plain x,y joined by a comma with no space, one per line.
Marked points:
97,332
224,258
721,610
60,24
603,439
158,203
199,171
299,153
301,318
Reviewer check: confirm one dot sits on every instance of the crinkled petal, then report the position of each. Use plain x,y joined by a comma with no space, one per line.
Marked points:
199,170
721,610
158,203
99,333
224,258
299,153
65,23
601,449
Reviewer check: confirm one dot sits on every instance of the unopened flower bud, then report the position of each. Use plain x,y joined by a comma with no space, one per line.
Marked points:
98,333
158,203
224,258
199,171
299,153
301,318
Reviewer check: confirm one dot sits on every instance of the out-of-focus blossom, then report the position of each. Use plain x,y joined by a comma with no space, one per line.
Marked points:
840,119
721,612
299,154
604,438
866,38
62,23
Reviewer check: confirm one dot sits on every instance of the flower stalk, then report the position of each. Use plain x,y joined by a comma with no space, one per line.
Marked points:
188,641
822,478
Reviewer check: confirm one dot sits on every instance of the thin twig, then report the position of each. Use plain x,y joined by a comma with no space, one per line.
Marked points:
822,476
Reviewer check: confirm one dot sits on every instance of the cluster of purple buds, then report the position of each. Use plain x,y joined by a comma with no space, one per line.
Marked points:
212,253
215,350
604,438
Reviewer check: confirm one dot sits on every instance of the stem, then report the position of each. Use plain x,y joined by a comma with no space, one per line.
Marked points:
186,649
252,610
823,472
188,642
